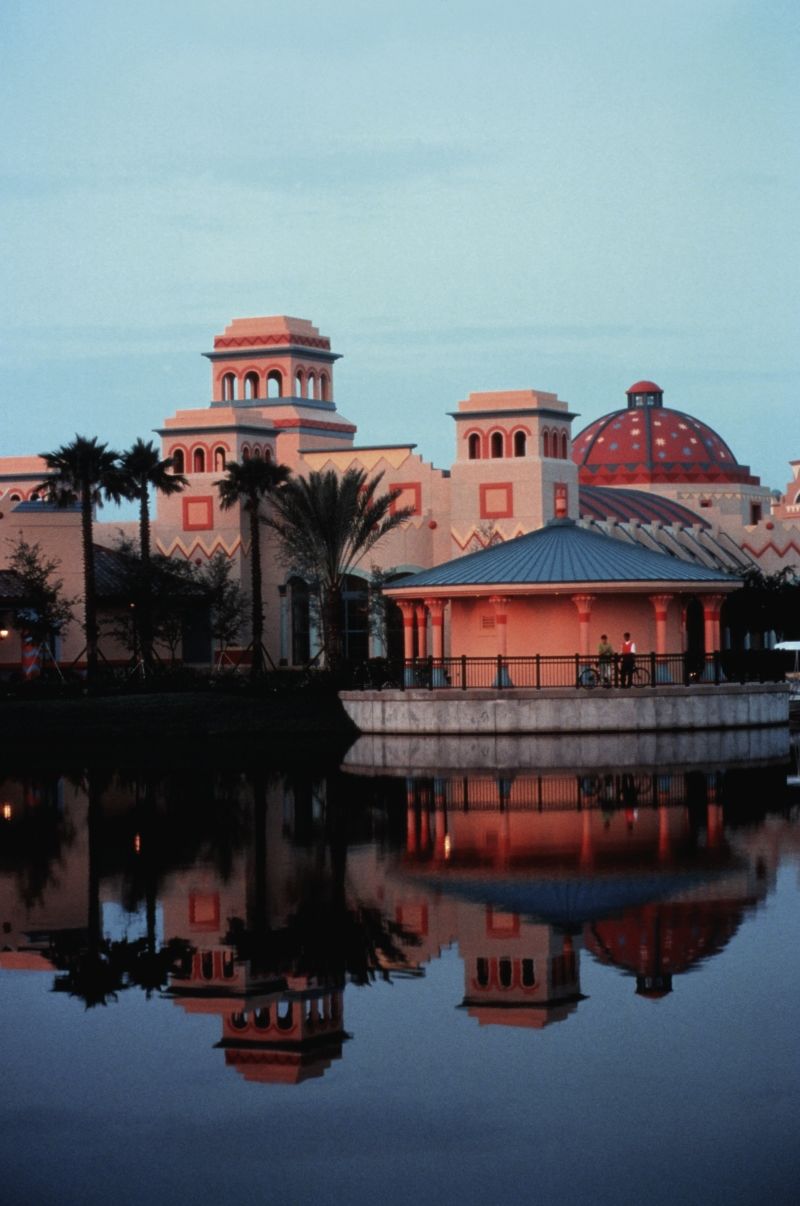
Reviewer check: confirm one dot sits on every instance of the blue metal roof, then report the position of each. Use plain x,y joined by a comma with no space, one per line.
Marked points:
562,552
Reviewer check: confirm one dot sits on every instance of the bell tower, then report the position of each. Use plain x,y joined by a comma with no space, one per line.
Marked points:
262,361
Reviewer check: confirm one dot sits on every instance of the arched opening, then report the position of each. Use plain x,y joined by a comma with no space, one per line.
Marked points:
199,460
261,1018
482,973
504,971
474,447
519,443
219,460
325,387
695,635
15,497
207,965
178,461
245,453
228,965
251,385
528,974
267,454
285,1015
298,384
274,384
496,445
563,445
545,443
311,386
239,1021
229,387
299,602
257,452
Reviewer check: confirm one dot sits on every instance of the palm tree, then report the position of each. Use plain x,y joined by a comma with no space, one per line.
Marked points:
84,472
249,484
327,524
140,468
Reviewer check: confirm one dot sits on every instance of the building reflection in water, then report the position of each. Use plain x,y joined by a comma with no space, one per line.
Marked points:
271,896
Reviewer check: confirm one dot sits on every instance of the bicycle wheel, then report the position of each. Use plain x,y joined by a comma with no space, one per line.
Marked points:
588,678
640,677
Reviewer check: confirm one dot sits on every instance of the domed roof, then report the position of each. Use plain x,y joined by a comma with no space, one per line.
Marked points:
649,442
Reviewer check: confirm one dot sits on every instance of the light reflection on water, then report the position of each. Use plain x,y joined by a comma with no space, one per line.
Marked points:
570,985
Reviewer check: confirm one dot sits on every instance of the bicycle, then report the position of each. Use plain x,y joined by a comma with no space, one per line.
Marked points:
602,674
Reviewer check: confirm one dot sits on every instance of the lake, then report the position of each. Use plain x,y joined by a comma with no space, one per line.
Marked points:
534,985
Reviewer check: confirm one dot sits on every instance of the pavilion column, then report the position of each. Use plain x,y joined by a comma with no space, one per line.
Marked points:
711,609
660,605
422,629
407,610
584,606
500,605
436,608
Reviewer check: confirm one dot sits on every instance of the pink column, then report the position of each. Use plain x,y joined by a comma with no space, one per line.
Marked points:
436,608
584,606
711,609
660,605
422,630
500,605
407,608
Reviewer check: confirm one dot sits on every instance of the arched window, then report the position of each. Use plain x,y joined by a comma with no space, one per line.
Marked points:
274,384
245,453
474,446
219,460
15,497
178,461
298,384
545,443
528,974
267,454
261,1018
311,386
251,385
504,973
519,443
285,1015
482,973
563,445
496,445
228,387
199,460
228,965
207,965
325,387
257,452
239,1021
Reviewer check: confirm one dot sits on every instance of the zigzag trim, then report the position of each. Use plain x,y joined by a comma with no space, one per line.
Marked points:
197,546
482,541
770,545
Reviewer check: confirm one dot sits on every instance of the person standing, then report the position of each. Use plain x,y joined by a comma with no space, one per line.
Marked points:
605,654
628,663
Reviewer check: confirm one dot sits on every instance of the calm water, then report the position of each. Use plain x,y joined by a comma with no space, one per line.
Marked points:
556,987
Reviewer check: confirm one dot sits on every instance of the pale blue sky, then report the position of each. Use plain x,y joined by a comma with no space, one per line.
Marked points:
462,196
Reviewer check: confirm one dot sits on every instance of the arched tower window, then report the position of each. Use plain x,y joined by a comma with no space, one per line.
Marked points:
178,461
199,460
325,387
474,447
229,387
285,1017
245,454
496,445
251,385
219,460
545,443
563,445
298,383
311,386
519,443
274,383
257,452
267,454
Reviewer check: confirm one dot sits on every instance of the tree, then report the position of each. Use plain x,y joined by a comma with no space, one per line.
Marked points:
226,600
84,472
45,612
249,484
155,603
326,525
140,469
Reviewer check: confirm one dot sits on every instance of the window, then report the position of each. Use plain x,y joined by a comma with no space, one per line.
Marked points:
325,387
563,445
505,973
261,1019
178,461
228,387
474,447
207,965
528,974
239,1021
285,1015
199,460
519,443
311,386
482,973
245,453
219,460
274,384
257,452
545,443
251,385
298,384
496,445
755,512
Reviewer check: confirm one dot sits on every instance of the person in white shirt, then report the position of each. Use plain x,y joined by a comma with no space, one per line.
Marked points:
628,662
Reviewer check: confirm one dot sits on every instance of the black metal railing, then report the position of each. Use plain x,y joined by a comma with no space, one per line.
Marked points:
540,671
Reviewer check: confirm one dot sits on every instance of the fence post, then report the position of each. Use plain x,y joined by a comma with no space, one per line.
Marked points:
577,669
652,669
716,667
500,671
538,671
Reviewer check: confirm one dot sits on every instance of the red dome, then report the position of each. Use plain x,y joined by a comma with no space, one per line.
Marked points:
644,387
654,444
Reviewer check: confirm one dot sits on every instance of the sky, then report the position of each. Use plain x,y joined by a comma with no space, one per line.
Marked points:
462,196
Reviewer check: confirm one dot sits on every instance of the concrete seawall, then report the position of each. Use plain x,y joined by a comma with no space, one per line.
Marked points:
566,710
